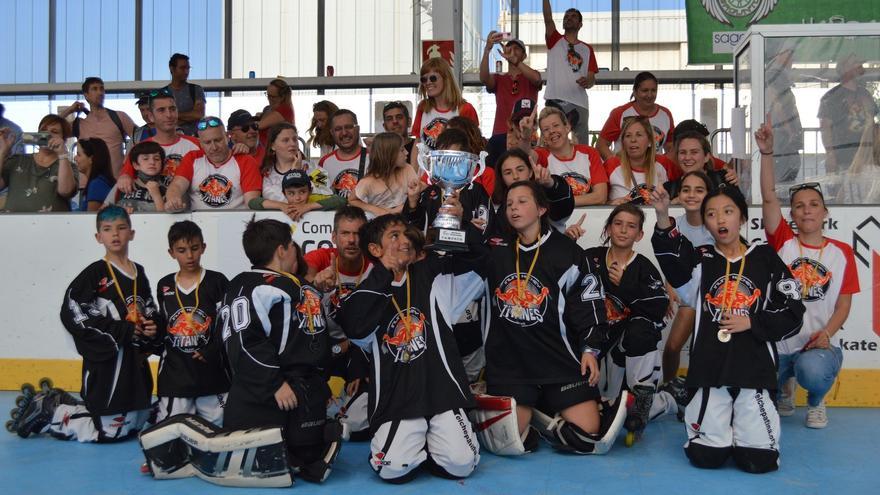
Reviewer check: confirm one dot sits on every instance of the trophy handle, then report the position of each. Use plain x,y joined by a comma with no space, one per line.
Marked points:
422,159
482,165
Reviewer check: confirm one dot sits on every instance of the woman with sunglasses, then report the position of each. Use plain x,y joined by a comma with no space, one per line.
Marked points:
642,103
279,109
828,278
441,100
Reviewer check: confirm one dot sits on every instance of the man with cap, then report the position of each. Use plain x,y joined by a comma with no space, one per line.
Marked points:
243,131
147,130
518,83
844,113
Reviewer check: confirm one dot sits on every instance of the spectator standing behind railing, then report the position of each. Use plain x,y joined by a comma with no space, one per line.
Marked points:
519,82
441,100
244,137
147,130
571,69
42,181
643,103
319,132
844,112
111,126
93,162
17,145
214,178
190,98
782,107
396,119
279,109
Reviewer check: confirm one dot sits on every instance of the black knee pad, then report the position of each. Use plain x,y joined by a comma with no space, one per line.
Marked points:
437,470
706,457
757,461
640,337
320,458
577,439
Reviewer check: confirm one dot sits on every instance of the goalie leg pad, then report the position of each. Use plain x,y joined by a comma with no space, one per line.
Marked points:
319,469
568,437
188,445
495,422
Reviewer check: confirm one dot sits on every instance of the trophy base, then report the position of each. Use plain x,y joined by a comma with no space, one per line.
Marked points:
444,239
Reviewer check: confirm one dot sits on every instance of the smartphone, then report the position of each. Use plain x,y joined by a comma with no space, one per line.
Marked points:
506,37
35,138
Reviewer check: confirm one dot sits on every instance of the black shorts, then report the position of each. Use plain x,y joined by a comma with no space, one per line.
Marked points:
548,397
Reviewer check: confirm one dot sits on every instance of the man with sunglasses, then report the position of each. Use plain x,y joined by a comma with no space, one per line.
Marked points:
244,135
190,98
396,119
163,114
571,68
214,177
345,165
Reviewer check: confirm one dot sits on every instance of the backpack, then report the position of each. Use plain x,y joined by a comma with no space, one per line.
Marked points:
113,116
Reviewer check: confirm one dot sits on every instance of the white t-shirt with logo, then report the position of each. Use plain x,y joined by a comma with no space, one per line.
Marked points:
661,121
219,186
428,126
621,184
580,171
342,175
825,272
565,65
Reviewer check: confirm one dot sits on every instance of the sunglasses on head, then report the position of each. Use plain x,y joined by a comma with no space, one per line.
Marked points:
209,122
806,185
432,78
159,92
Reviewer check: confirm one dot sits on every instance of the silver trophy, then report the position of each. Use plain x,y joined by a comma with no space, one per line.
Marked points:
451,170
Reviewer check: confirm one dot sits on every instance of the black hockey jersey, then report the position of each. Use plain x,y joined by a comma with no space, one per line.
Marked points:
115,375
541,325
188,330
273,331
417,371
767,293
640,297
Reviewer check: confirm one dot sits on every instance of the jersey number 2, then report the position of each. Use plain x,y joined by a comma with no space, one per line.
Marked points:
592,290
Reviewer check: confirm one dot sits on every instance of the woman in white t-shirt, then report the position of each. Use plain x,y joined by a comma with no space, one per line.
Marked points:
637,168
384,188
828,277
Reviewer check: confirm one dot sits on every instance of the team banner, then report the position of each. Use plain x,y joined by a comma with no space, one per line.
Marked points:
715,27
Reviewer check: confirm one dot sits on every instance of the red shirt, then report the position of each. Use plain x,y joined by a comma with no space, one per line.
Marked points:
286,112
505,98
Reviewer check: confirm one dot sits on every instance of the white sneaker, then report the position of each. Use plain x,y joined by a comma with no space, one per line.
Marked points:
816,417
785,405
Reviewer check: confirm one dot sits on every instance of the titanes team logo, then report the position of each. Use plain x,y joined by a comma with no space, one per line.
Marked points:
812,275
721,9
169,168
405,340
345,182
135,309
615,310
188,331
522,302
338,295
574,59
216,190
311,316
432,131
737,294
640,194
578,183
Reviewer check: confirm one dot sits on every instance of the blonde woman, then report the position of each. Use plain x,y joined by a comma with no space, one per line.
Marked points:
441,100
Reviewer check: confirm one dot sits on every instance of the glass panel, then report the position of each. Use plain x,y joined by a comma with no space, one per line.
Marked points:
192,27
94,39
24,36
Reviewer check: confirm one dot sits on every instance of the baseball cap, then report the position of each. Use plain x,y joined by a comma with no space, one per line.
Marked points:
239,118
295,178
143,98
522,108
518,43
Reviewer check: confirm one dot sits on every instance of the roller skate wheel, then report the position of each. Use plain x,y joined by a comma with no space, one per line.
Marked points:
15,413
630,439
46,384
21,401
10,426
145,469
28,389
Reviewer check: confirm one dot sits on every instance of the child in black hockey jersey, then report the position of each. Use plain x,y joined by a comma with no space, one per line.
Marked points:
548,327
635,304
113,320
277,345
748,301
402,314
191,378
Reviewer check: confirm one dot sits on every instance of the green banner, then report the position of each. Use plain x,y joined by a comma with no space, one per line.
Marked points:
714,27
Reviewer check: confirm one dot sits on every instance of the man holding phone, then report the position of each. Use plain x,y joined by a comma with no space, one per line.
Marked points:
571,70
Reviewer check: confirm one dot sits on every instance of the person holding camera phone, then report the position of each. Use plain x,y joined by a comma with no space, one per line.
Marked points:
42,181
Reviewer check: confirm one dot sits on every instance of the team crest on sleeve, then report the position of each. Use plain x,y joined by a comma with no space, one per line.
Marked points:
578,183
345,182
615,310
815,278
311,316
737,294
216,190
432,131
405,340
188,329
170,167
522,302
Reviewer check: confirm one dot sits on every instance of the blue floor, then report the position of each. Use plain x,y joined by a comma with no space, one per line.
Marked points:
841,459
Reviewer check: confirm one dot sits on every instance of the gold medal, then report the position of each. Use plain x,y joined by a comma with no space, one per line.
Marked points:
723,336
516,311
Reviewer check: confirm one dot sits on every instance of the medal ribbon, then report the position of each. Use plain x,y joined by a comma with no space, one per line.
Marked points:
128,313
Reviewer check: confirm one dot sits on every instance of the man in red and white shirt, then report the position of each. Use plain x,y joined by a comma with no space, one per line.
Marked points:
163,111
571,67
345,165
215,178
